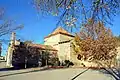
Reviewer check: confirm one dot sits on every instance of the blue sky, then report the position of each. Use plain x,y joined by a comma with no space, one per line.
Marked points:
36,27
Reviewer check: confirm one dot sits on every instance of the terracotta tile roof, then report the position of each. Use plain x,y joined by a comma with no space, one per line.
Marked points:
43,47
59,30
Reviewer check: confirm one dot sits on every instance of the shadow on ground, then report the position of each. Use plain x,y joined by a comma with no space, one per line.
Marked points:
29,71
7,69
22,72
114,72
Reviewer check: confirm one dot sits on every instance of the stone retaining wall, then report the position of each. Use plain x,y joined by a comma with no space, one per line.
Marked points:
2,64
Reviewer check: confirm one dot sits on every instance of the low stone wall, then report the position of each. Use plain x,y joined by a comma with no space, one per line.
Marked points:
2,64
85,64
92,64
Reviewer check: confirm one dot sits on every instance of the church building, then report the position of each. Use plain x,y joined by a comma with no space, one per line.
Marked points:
58,43
61,40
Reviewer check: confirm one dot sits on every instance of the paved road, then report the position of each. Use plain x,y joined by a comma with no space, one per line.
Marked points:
60,74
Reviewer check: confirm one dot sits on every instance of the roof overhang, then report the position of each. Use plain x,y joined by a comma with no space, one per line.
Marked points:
58,33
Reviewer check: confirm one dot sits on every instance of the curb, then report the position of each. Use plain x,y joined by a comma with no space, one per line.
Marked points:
28,71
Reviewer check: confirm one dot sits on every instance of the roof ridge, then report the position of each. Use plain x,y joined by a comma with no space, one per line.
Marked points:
60,30
42,46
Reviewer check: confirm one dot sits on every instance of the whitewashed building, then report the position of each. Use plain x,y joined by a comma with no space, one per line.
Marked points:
61,40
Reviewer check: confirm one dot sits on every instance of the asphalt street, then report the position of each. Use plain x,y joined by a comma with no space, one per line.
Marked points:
57,74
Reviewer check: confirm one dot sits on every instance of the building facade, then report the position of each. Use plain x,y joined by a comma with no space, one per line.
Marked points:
59,43
61,40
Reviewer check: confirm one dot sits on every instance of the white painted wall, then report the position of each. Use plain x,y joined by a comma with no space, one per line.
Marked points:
17,42
65,37
64,50
52,40
10,51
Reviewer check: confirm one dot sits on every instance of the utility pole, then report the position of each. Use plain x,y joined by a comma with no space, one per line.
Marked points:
10,51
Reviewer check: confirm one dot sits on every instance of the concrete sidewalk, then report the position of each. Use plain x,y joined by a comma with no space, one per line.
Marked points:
21,71
28,70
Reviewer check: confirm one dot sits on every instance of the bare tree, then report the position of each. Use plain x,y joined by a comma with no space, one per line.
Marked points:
72,12
6,25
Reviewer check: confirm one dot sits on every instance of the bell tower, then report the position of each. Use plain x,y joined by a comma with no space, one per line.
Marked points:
10,50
